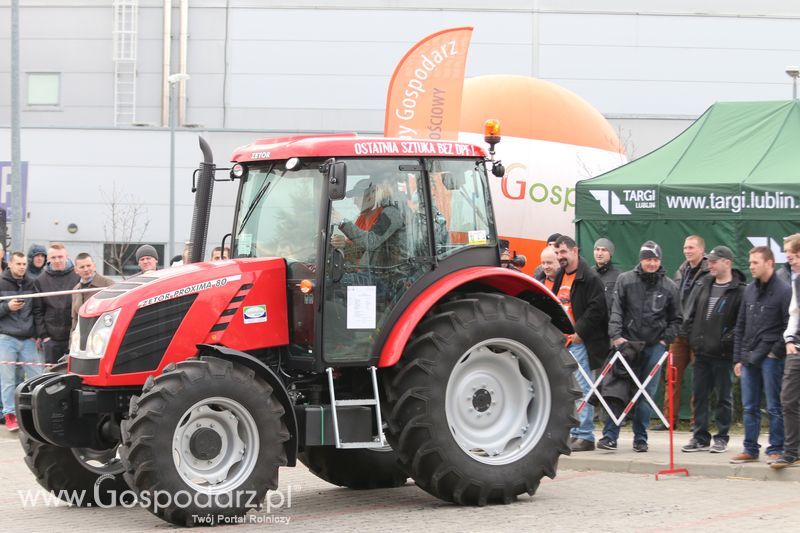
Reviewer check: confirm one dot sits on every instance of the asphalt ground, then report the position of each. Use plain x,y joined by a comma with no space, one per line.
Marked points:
593,491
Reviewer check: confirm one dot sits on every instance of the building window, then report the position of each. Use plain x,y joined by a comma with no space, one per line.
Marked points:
120,259
44,88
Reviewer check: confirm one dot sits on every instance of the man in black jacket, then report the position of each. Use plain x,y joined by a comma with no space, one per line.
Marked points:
56,311
17,331
711,322
604,266
759,352
581,293
646,308
690,271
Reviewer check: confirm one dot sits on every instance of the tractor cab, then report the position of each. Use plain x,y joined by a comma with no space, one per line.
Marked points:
362,235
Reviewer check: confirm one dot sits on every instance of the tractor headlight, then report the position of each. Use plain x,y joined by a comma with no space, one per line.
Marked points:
101,333
75,339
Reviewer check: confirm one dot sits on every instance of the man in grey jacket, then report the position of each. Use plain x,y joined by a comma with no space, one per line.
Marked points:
646,308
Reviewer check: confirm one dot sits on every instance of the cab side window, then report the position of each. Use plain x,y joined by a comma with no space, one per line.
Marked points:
460,216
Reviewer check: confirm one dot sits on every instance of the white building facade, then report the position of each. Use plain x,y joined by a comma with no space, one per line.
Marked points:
96,100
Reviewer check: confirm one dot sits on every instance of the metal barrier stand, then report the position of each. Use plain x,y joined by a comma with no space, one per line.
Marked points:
671,378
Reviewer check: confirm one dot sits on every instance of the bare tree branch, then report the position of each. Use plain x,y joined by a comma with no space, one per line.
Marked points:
126,223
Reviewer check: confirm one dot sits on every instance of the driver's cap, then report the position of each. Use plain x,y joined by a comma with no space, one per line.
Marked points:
359,188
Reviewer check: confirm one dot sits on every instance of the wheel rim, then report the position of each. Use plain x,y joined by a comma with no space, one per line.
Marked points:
498,401
100,461
215,446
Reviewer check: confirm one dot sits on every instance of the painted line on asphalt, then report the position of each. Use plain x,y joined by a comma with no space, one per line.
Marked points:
790,506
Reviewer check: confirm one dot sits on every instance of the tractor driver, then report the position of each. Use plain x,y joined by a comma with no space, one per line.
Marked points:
375,231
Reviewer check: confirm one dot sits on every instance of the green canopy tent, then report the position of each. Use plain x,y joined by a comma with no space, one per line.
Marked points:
733,177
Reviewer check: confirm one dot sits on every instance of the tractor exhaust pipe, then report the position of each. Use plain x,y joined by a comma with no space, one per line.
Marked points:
202,204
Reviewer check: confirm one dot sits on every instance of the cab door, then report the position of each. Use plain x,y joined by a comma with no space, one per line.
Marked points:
376,232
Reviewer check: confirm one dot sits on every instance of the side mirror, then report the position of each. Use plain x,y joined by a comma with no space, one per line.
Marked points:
336,174
498,169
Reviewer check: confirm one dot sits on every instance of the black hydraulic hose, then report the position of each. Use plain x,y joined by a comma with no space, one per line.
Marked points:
202,204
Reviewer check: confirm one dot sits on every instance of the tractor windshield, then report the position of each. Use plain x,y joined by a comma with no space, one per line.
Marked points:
279,213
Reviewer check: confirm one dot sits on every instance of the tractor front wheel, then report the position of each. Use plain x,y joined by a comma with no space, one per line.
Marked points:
79,476
204,442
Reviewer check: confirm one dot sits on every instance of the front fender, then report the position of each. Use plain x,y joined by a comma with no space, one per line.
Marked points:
504,280
278,388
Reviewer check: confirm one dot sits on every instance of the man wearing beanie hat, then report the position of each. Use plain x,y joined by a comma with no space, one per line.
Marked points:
603,252
147,258
645,309
551,240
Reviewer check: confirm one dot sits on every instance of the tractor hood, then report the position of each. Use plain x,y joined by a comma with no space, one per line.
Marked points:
160,285
143,323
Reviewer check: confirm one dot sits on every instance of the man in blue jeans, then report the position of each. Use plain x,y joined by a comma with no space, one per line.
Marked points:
17,332
581,292
759,352
711,322
645,308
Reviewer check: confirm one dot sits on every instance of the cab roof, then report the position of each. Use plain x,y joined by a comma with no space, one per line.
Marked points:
350,145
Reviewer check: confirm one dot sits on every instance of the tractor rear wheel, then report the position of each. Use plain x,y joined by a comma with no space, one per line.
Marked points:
204,442
482,400
367,468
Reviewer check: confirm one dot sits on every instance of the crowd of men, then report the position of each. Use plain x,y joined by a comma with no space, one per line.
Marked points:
35,331
706,315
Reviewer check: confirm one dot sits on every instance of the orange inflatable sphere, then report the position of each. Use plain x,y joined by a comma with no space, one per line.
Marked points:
551,138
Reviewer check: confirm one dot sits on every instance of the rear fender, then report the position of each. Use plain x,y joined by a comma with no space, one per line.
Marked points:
278,388
503,280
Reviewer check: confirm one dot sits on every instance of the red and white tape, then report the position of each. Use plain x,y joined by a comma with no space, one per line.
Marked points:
18,363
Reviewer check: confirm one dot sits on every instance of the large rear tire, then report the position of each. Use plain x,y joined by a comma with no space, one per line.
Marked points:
204,442
355,468
482,400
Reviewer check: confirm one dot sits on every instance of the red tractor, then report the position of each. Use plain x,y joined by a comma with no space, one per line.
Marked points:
365,325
